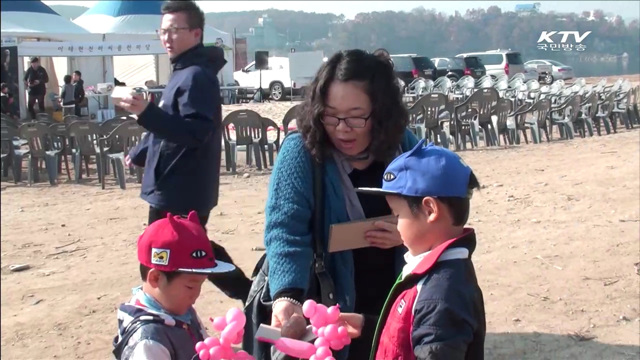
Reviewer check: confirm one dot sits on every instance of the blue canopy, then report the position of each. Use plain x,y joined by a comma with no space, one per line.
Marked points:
124,8
27,6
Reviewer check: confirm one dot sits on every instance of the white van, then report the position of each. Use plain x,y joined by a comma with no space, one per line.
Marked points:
276,80
499,62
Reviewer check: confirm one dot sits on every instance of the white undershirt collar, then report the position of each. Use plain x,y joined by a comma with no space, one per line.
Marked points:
449,254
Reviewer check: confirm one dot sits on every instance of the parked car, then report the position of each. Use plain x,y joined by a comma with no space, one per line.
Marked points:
531,73
498,62
410,66
560,71
276,80
455,68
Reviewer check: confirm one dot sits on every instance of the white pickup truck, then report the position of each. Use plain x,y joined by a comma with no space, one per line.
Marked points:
276,80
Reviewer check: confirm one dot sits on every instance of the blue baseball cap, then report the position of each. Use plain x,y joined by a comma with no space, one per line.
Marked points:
425,171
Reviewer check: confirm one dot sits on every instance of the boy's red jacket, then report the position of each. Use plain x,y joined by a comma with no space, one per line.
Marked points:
437,311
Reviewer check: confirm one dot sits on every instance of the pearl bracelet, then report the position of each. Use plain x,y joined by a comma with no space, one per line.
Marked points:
287,299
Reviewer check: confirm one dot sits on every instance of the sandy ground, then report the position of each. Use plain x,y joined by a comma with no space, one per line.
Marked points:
558,229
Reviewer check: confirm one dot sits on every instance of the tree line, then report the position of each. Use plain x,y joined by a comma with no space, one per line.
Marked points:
434,34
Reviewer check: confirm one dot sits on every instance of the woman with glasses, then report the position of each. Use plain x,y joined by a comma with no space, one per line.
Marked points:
354,122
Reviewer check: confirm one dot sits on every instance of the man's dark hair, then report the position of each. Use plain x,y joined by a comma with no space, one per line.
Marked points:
388,113
459,207
34,59
77,72
3,86
67,79
195,16
170,275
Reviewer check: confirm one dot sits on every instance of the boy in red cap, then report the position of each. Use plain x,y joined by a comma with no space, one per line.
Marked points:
159,322
435,311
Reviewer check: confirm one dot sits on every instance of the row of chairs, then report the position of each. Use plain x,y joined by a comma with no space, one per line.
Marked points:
520,107
494,108
247,128
52,143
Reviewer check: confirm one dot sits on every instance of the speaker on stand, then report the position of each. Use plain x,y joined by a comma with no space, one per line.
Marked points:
262,63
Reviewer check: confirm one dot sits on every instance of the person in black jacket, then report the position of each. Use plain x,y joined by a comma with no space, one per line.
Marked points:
182,153
78,90
35,79
6,99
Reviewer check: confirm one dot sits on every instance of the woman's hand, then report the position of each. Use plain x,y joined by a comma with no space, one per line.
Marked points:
385,236
353,323
282,311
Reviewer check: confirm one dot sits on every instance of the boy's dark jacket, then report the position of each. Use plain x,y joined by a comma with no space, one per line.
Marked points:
172,337
437,311
181,154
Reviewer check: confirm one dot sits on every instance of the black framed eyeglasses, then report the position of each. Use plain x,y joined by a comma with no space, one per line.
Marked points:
353,122
172,31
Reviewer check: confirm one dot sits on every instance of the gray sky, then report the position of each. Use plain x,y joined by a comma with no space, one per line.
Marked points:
627,9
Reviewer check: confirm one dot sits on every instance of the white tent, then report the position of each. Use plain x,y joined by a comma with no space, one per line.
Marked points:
120,20
35,20
25,23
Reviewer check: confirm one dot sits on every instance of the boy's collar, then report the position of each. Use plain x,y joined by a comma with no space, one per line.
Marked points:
142,299
467,240
449,254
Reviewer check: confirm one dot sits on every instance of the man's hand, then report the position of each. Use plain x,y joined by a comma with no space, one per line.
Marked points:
134,104
127,160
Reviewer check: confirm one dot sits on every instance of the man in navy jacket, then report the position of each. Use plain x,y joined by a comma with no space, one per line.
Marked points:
181,154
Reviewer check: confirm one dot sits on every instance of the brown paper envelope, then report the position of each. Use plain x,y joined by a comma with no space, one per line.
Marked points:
351,235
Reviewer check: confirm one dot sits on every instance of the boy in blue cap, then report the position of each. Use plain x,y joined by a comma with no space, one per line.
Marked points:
436,309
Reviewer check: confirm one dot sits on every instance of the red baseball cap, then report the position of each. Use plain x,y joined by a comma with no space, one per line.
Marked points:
179,244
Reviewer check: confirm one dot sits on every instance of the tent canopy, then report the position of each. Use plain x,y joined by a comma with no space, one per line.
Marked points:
123,8
117,18
120,21
34,19
122,17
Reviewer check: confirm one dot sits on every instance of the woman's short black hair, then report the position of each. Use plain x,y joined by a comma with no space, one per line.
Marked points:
459,207
67,79
389,115
170,275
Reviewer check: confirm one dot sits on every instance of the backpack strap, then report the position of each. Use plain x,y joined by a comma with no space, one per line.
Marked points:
320,274
130,329
326,285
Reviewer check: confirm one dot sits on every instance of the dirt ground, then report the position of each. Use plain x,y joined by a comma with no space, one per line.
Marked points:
558,228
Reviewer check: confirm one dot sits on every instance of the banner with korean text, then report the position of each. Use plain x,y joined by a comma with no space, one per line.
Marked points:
64,49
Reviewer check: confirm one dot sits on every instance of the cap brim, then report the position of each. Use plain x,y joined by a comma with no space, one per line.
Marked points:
221,267
376,191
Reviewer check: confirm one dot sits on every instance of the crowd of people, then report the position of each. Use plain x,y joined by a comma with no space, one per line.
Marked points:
415,283
35,80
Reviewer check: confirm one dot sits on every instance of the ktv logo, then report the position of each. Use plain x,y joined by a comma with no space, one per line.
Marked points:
546,41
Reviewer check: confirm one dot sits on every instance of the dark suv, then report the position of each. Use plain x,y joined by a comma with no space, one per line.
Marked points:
411,66
455,68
